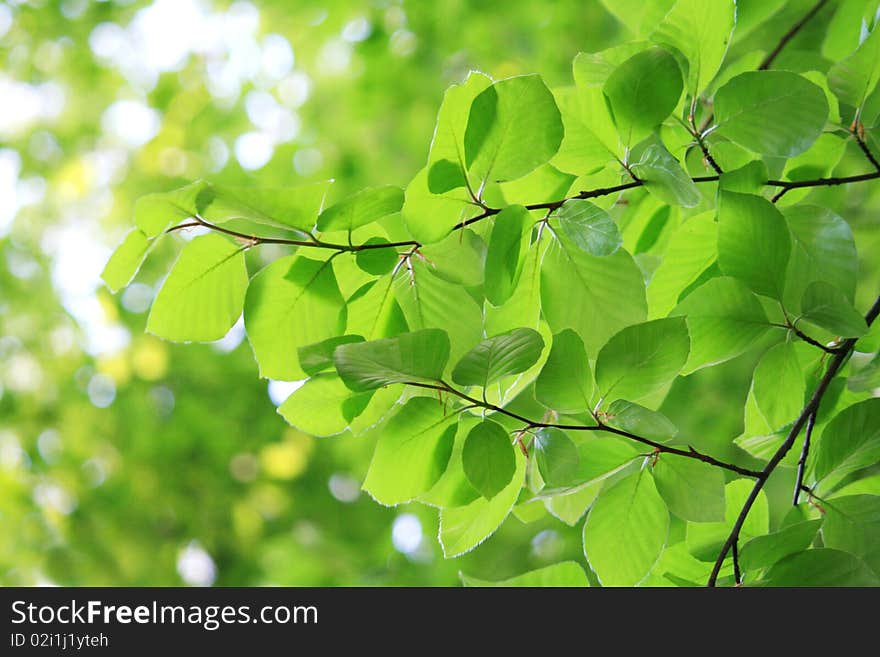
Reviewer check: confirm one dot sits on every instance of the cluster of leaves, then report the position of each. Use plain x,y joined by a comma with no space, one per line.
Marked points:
507,326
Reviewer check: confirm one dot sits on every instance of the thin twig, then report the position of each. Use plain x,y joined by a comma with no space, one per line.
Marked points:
788,36
690,453
802,461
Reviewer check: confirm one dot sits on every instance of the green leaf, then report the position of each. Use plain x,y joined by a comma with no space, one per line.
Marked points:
594,296
430,217
771,112
691,251
642,92
411,453
700,31
513,127
764,551
852,524
589,227
821,567
779,386
503,256
126,260
453,488
317,357
823,249
753,242
362,208
420,356
641,359
692,490
497,357
204,293
850,442
377,261
373,311
292,302
724,319
571,507
488,459
294,207
557,456
626,531
583,149
854,78
154,213
747,179
565,382
428,301
463,528
630,417
704,539
322,406
564,574
825,306
664,177
447,146
460,258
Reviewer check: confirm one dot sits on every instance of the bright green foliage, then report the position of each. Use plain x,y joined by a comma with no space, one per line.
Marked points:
504,253
631,417
642,358
294,301
851,441
590,227
361,209
513,127
854,78
497,357
517,329
821,567
771,112
642,92
487,458
778,385
664,177
565,574
825,306
753,242
565,383
691,489
557,457
626,531
204,293
724,319
126,260
764,551
412,452
420,356
701,32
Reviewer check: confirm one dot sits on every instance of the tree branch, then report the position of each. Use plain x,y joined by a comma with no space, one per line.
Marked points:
690,453
810,407
788,36
805,451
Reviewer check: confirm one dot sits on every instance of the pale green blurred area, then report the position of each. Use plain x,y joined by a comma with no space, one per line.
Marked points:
125,460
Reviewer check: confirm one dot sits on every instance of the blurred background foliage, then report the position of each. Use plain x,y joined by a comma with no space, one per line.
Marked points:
125,460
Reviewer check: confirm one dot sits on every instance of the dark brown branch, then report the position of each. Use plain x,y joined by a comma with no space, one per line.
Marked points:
802,460
690,453
254,240
864,147
788,185
788,36
789,326
810,407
